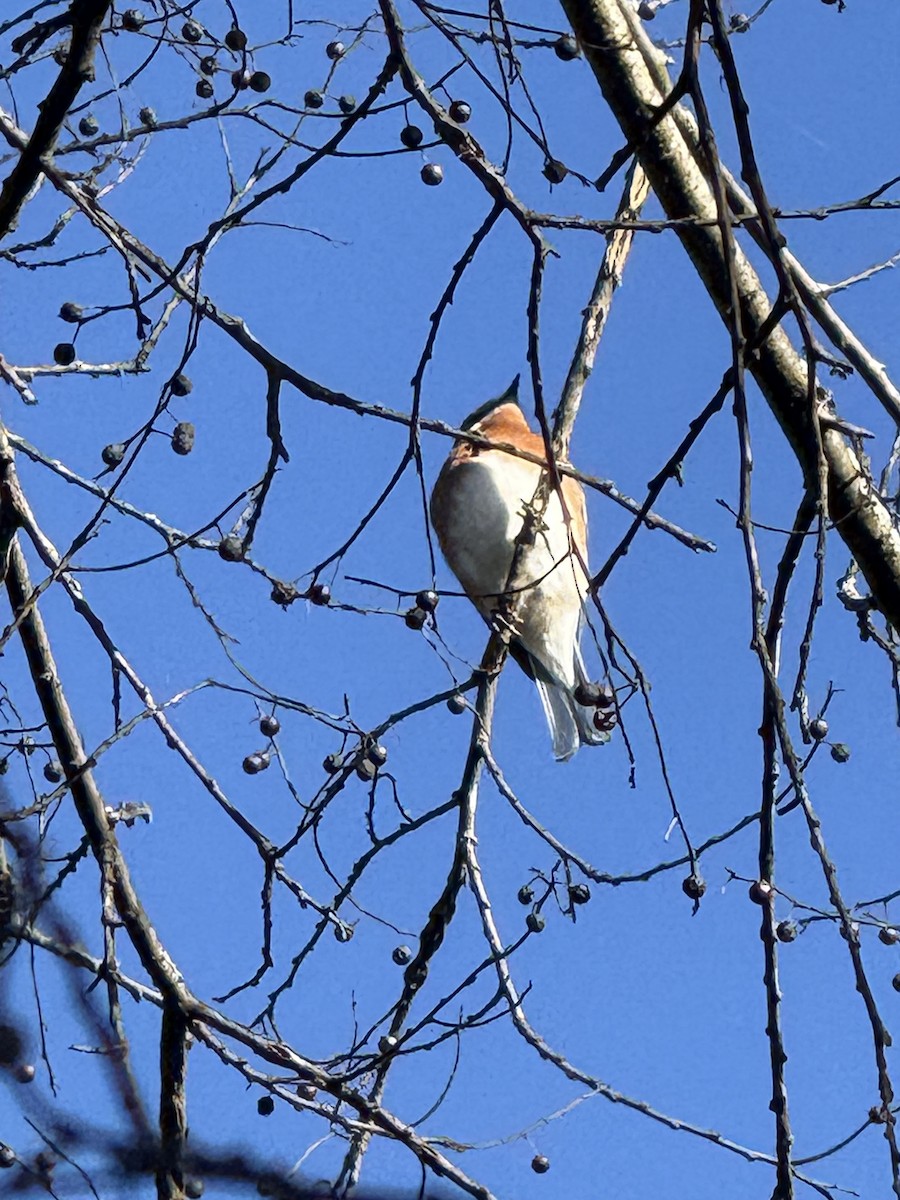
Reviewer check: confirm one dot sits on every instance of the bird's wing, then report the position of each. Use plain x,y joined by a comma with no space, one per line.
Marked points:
573,494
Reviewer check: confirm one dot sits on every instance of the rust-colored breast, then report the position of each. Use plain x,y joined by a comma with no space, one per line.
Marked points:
507,425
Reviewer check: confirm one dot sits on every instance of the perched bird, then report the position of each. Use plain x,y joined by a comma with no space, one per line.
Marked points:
477,509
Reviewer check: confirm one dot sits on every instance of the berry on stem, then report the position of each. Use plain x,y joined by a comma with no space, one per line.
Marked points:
566,48
236,39
460,111
180,385
71,312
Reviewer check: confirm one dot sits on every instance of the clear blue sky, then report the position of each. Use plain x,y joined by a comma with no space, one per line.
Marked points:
665,1007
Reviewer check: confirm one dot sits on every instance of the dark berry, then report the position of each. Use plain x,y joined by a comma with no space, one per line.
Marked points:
889,935
347,104
566,48
204,89
132,20
427,600
786,931
306,1091
332,763
208,65
183,437
587,694
25,1073
579,893
432,174
240,79
694,887
818,729
603,720
895,984
254,763
335,50
53,772
540,1164
343,933
231,548
89,126
260,81
457,704
64,354
283,593
148,116
366,770
460,111
415,618
535,922
401,955
739,22
236,39
411,136
180,385
192,32
314,99
44,1162
265,1106
71,312
840,753
377,754
760,891
320,593
7,1156
647,12
554,170
193,1187
269,725
525,894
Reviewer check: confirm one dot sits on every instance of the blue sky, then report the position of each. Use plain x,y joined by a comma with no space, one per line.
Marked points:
663,1006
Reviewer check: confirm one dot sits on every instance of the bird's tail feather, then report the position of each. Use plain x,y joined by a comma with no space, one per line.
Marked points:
571,724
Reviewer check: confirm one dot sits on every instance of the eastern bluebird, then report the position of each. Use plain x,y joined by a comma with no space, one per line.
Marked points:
477,509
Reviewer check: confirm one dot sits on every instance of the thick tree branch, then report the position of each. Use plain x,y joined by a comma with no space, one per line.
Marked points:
86,18
634,81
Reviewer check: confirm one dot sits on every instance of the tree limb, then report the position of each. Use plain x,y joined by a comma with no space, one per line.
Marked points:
635,82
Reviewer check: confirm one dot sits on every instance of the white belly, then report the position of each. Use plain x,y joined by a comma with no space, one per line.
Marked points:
483,505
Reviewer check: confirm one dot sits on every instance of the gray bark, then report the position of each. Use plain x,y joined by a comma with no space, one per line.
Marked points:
634,81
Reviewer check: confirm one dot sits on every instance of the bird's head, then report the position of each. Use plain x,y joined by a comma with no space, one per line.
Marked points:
510,396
